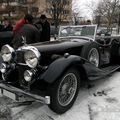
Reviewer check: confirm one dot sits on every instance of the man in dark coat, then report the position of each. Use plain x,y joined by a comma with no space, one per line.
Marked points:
1,27
45,31
26,34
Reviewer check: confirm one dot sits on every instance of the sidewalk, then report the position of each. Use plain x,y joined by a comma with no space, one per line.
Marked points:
102,102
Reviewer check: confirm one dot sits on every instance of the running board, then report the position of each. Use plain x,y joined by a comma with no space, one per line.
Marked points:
111,69
97,73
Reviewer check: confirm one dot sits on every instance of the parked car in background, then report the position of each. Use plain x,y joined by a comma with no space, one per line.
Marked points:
103,31
52,72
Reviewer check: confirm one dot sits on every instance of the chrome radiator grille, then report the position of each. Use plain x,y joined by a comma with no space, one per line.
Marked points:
20,57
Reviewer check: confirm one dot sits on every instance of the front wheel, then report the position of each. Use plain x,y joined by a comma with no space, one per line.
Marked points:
63,92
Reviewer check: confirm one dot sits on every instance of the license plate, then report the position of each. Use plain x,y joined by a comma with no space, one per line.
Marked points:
8,94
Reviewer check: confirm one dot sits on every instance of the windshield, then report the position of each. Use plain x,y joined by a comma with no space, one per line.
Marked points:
78,31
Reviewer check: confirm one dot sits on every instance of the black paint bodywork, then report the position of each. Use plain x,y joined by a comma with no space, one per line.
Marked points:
56,58
5,37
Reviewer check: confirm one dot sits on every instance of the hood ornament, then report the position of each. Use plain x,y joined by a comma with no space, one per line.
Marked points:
24,40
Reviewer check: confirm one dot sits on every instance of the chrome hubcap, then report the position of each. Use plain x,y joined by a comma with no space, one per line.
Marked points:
67,89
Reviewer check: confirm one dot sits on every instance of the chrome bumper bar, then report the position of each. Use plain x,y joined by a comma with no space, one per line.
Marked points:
45,100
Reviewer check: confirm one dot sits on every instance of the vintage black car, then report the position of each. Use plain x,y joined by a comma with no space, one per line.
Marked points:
52,72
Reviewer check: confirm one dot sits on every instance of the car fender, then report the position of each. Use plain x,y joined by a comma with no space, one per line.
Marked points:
60,65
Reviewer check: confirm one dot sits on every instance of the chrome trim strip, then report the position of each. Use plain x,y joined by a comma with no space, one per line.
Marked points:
22,64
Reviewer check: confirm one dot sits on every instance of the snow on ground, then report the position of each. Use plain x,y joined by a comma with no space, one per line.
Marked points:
101,102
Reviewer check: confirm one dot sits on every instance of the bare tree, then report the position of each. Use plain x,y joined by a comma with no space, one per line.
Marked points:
31,7
107,10
75,18
76,13
91,6
59,10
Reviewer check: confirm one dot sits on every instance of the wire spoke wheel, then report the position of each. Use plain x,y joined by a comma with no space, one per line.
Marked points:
93,57
67,89
64,91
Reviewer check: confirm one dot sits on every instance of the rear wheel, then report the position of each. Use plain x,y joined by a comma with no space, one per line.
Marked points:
93,57
91,53
63,92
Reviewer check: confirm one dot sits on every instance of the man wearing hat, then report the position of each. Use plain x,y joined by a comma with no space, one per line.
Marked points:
45,33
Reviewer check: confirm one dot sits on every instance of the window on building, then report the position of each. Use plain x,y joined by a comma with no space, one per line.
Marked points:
2,1
48,0
65,12
65,2
22,1
49,11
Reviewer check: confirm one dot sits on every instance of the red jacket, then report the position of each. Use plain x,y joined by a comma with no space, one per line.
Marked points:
18,25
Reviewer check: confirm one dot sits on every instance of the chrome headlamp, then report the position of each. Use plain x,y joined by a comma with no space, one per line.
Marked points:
28,75
3,68
32,57
6,53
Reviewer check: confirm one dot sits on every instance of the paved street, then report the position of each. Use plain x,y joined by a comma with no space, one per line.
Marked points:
98,103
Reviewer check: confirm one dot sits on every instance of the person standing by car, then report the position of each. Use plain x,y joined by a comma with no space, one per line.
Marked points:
38,26
1,27
26,34
45,33
7,25
27,19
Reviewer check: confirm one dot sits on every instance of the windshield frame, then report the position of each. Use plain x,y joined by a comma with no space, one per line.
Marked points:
90,38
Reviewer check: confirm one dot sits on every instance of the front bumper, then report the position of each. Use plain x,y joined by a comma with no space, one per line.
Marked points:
17,91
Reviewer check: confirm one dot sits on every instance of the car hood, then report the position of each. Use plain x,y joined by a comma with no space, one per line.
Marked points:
59,45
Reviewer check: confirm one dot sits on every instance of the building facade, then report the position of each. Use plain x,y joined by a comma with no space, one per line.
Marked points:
17,8
49,7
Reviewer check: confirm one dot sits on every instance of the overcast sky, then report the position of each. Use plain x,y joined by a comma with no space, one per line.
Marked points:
81,5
